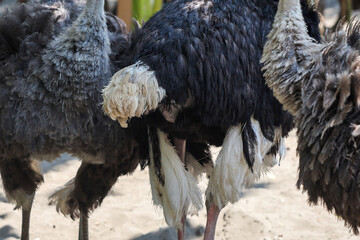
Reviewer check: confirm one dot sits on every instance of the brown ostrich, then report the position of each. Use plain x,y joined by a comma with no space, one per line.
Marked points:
319,83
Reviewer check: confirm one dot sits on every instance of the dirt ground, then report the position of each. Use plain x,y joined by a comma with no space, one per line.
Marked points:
271,210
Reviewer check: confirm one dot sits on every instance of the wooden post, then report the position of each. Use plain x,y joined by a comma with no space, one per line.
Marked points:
124,11
345,10
349,9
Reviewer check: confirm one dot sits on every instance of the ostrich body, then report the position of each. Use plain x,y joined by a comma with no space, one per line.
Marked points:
54,61
41,30
196,63
320,85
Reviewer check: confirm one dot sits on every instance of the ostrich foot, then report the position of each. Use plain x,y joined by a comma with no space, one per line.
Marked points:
132,92
212,216
83,227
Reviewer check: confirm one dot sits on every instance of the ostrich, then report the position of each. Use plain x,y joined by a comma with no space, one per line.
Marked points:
319,83
55,33
196,64
54,61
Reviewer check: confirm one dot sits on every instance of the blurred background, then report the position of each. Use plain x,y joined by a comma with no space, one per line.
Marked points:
335,10
141,10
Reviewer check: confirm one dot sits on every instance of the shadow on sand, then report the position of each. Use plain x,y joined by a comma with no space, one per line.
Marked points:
2,198
171,234
7,232
261,185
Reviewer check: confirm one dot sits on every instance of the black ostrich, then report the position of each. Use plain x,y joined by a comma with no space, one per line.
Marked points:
196,63
54,61
320,85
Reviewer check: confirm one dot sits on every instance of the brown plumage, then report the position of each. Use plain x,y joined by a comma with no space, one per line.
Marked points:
320,85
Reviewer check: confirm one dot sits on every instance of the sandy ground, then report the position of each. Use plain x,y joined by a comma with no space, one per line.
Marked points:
272,210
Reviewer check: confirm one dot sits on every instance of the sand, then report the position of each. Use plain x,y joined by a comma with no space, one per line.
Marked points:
271,210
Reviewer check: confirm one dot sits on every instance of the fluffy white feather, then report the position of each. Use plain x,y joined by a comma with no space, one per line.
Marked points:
61,196
195,168
180,189
231,173
132,92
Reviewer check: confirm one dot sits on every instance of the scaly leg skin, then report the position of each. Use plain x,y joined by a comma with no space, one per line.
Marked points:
25,225
212,216
83,227
180,146
182,232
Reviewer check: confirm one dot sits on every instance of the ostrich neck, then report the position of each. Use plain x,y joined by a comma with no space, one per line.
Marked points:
75,64
289,24
287,5
289,54
94,6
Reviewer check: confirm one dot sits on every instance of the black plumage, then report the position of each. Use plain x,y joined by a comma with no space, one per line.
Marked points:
193,51
210,47
205,56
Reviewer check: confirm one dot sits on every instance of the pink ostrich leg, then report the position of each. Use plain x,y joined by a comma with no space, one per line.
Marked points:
212,216
180,145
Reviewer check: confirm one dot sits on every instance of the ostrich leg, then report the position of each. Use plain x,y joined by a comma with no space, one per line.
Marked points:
213,212
83,227
84,192
25,225
180,146
21,177
230,175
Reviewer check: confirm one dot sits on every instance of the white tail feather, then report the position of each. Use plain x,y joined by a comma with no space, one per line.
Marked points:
180,189
227,180
61,197
195,168
231,173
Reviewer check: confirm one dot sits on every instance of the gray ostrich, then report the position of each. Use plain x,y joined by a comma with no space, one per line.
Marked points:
319,83
54,61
